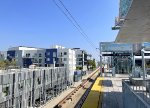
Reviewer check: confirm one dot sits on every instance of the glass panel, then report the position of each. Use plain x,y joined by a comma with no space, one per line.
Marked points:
124,7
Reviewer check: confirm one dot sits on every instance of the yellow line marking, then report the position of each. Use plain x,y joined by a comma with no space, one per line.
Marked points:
95,96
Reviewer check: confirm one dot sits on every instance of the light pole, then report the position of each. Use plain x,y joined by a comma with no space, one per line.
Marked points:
100,59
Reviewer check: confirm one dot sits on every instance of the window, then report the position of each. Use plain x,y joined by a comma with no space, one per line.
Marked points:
48,53
80,59
124,7
40,55
28,55
65,53
80,63
54,54
40,60
48,59
65,59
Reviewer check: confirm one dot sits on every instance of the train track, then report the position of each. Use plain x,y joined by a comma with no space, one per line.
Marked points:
77,97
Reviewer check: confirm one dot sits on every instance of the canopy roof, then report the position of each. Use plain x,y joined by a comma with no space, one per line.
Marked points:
136,28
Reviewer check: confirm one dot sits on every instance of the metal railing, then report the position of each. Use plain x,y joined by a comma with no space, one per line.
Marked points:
136,95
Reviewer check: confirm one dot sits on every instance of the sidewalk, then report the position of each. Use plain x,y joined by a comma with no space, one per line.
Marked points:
56,100
112,87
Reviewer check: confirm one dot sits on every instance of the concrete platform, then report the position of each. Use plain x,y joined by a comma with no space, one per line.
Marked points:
112,88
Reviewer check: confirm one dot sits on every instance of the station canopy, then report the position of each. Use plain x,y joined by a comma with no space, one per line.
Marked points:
136,28
115,47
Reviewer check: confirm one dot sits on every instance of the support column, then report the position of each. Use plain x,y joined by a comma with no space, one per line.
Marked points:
133,67
143,64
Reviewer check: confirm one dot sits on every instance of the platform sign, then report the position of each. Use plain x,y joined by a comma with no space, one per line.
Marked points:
115,47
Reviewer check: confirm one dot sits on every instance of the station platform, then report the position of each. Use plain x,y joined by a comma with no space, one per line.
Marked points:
106,92
94,98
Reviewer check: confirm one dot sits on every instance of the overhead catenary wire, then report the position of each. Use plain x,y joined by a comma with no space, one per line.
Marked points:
74,22
85,35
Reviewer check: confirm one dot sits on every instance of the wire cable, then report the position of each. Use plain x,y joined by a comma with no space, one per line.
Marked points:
85,35
70,17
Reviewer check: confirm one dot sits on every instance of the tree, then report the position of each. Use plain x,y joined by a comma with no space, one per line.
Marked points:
94,63
4,64
79,68
91,64
13,62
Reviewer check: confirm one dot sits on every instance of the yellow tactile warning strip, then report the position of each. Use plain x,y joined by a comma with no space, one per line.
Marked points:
94,98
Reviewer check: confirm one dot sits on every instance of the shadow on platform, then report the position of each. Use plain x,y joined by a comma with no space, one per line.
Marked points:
106,83
112,100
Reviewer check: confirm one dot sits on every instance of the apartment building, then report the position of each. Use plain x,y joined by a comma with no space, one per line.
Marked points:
66,58
81,58
25,56
51,57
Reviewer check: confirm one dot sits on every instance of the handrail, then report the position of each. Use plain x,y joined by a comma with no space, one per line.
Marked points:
135,94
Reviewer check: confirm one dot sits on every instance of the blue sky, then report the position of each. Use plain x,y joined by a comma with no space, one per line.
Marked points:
39,23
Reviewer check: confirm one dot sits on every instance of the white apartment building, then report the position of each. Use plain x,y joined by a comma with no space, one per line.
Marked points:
81,58
67,58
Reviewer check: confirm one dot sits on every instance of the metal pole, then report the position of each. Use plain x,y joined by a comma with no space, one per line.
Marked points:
133,68
100,60
143,63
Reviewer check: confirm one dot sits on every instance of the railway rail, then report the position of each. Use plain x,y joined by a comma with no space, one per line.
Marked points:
77,97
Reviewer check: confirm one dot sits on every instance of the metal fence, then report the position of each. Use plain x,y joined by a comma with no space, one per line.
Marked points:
136,95
31,87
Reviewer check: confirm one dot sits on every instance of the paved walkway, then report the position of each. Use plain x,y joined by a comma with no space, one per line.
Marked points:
55,101
112,87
